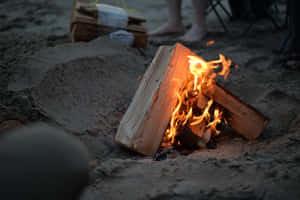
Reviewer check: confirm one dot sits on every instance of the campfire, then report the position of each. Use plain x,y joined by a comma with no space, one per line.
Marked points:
179,103
194,113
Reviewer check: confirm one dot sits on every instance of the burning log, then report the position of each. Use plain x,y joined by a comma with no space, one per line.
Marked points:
143,125
243,118
194,137
179,101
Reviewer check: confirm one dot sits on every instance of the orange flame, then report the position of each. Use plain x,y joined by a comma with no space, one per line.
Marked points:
202,74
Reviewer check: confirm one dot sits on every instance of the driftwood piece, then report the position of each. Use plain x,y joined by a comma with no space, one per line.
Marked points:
145,122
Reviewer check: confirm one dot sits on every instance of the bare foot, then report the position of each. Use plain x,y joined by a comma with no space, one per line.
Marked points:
167,29
195,34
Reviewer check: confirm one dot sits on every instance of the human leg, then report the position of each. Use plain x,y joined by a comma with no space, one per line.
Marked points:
294,47
198,30
174,24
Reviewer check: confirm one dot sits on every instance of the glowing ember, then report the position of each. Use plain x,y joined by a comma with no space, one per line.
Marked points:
209,43
186,112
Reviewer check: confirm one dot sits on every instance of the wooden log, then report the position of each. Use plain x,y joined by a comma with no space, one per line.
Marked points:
194,137
243,118
146,120
202,101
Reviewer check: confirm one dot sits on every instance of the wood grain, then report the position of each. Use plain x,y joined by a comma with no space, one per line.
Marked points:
149,113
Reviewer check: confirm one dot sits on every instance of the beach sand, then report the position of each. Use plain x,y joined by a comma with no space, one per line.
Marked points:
85,88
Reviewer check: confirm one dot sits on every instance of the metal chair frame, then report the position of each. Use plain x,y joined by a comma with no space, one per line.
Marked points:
214,3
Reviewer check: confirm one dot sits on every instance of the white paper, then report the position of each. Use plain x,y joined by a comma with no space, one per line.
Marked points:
112,16
122,36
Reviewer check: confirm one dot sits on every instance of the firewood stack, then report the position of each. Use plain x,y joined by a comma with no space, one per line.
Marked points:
90,21
150,113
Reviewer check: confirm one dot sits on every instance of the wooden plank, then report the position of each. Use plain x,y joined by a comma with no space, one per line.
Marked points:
243,118
145,122
140,40
78,17
81,18
87,32
93,11
84,32
74,10
85,27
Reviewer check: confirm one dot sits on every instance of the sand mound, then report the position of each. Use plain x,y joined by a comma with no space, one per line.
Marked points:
30,73
84,87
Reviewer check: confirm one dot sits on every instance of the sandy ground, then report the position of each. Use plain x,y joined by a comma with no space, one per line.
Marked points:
85,89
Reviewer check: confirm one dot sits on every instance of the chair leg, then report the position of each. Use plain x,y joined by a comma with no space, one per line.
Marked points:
284,42
223,8
271,18
213,6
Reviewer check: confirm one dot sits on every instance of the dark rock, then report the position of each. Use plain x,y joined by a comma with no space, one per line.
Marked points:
41,162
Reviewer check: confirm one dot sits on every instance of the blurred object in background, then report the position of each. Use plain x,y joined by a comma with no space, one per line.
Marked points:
250,9
91,20
41,162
